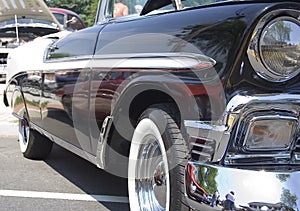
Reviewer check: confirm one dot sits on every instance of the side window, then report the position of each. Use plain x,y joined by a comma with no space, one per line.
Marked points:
76,44
127,7
59,17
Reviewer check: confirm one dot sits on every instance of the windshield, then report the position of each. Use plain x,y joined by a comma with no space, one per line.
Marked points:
59,17
135,7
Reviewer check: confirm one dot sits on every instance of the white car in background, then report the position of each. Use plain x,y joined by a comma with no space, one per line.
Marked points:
19,60
20,22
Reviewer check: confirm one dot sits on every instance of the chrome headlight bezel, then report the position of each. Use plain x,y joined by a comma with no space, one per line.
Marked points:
255,51
284,144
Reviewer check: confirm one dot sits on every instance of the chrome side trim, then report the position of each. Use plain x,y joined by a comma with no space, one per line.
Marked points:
154,61
66,59
17,116
87,156
100,154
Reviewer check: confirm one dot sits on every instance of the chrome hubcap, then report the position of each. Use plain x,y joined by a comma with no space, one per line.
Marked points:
24,131
152,176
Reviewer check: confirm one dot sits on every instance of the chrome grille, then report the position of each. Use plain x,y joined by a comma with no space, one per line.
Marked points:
297,152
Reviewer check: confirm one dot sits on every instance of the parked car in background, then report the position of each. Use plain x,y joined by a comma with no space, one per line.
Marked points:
183,98
68,19
20,22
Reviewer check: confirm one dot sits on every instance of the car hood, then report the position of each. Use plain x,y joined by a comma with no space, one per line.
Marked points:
25,10
19,60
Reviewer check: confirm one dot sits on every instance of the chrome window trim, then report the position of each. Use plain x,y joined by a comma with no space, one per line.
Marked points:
68,59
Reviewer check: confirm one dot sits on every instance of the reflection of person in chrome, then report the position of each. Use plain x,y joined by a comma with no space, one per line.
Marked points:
229,202
120,9
214,199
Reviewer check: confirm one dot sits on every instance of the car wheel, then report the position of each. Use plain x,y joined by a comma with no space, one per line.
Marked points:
33,145
157,161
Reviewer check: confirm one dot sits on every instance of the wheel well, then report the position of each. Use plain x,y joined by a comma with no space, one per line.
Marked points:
145,99
140,103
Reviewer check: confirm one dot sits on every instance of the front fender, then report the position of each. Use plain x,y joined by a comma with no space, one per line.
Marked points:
144,91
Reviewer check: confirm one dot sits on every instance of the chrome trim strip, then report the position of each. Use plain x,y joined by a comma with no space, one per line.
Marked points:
17,116
201,145
154,61
201,153
102,144
239,104
66,59
89,157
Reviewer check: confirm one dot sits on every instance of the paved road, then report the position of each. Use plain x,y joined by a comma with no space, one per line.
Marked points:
8,124
60,183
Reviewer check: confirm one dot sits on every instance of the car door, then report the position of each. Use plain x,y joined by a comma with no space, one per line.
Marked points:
66,88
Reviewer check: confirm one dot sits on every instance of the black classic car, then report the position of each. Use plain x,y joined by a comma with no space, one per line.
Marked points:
196,102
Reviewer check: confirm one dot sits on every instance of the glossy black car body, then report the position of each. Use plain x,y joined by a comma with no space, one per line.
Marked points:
96,84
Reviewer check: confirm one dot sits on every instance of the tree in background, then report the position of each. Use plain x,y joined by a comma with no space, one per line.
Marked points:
85,8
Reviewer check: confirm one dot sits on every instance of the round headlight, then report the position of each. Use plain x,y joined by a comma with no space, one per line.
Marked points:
275,50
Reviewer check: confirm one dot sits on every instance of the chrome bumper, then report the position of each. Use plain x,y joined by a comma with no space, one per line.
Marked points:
254,189
221,160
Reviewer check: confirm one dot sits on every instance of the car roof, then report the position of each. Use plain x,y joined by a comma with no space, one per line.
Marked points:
31,9
64,11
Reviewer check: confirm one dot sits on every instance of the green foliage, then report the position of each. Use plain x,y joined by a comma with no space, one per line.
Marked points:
207,179
289,199
283,177
85,8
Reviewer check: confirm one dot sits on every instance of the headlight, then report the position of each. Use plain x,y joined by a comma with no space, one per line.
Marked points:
270,133
274,51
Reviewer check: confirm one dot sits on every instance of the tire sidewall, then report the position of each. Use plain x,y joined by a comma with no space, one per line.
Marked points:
154,121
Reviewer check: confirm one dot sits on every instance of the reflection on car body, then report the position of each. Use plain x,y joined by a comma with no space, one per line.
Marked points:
185,99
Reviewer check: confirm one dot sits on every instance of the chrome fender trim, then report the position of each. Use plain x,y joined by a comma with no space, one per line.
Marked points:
160,61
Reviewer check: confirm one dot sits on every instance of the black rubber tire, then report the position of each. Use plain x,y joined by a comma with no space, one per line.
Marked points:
166,117
33,145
